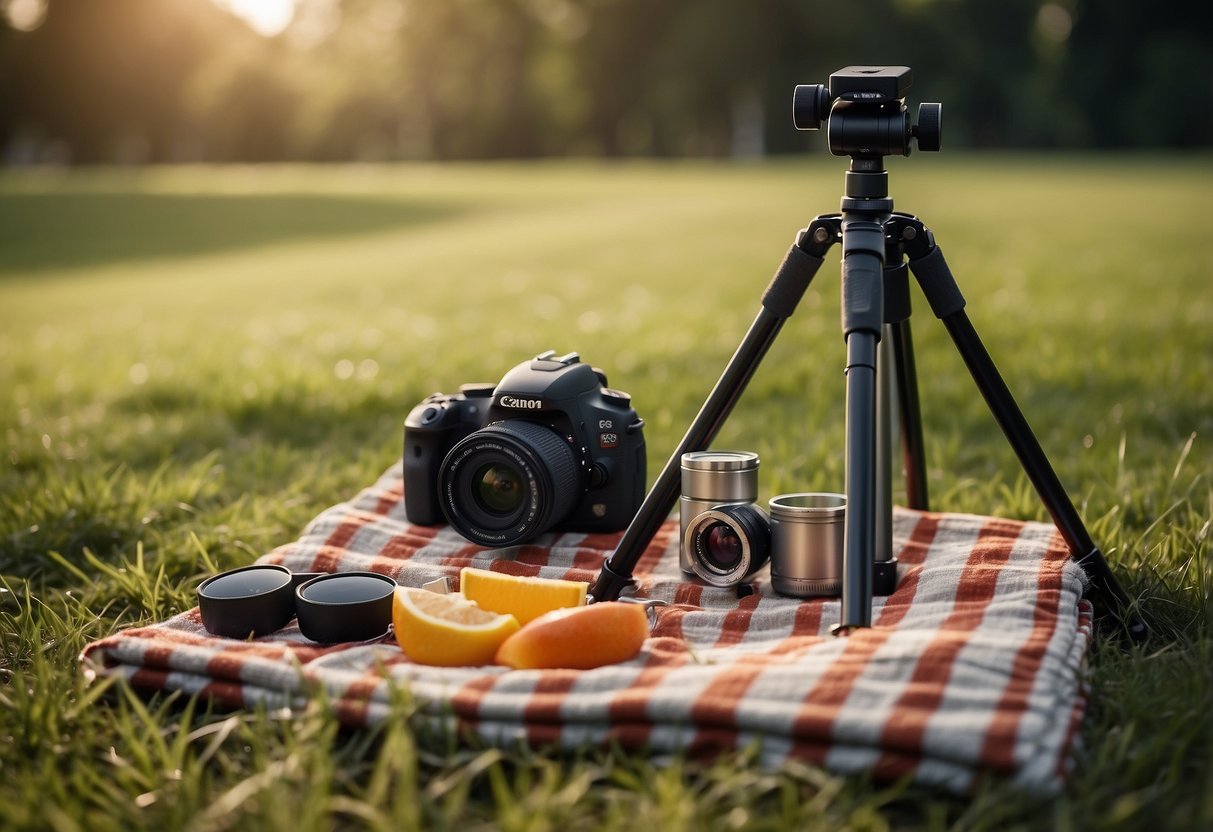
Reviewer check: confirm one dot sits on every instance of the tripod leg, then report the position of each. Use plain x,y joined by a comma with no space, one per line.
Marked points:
913,451
884,567
859,527
884,448
778,303
948,304
897,333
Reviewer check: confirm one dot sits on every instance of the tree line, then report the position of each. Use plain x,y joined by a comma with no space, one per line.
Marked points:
98,81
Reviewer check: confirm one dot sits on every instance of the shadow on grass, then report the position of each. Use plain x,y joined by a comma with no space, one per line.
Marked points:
198,466
77,229
302,419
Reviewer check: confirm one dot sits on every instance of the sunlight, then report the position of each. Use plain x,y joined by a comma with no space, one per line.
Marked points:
266,17
24,15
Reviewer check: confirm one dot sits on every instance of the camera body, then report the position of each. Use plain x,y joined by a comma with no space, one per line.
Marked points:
430,431
549,447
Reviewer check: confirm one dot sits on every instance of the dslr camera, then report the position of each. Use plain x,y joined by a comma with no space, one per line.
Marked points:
551,447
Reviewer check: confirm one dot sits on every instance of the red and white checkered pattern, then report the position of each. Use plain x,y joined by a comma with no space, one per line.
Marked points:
973,664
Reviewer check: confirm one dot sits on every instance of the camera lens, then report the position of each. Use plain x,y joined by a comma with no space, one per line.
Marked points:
728,543
499,488
509,482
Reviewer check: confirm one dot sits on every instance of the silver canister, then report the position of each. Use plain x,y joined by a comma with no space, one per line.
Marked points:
807,543
710,479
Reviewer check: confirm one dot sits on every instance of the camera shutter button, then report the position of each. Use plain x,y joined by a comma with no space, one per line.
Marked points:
430,414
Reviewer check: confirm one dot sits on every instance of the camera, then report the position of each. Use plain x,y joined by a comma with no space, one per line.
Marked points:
551,447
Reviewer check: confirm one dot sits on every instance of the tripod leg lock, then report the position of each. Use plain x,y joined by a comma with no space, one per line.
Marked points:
937,283
791,279
926,261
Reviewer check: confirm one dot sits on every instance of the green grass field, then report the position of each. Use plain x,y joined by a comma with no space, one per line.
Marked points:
194,362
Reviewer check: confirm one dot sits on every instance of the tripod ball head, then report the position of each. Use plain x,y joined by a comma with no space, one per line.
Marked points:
864,107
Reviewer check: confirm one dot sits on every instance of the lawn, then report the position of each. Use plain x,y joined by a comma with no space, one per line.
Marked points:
196,361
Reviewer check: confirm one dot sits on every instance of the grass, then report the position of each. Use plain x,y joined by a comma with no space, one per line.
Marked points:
194,362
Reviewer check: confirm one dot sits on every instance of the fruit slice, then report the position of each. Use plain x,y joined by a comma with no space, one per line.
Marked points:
447,630
579,638
524,598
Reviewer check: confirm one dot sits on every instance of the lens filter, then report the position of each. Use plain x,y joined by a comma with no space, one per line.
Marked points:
257,600
345,606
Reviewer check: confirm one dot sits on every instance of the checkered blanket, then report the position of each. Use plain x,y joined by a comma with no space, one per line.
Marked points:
972,665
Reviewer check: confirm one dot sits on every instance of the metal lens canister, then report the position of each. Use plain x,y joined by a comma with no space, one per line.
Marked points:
807,543
711,479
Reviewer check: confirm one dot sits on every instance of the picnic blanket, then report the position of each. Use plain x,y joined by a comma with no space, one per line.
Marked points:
972,665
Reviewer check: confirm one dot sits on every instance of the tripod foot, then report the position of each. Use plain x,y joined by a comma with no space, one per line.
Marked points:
608,585
884,577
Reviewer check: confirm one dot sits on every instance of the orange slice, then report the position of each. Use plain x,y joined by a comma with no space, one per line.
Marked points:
447,630
579,638
524,598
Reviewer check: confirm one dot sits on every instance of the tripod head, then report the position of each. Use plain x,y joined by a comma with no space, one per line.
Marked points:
866,113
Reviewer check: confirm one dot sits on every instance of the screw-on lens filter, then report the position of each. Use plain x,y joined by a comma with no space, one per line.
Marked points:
249,601
345,606
261,599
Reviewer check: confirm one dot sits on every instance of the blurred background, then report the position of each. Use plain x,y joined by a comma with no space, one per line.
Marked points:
152,81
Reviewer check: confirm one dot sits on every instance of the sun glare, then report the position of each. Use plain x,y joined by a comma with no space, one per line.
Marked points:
266,17
24,15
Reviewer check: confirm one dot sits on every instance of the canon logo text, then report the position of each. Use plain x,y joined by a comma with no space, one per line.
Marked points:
520,404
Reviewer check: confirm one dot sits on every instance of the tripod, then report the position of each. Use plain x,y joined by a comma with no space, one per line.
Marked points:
878,247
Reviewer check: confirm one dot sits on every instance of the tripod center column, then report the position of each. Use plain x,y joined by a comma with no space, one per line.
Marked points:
865,208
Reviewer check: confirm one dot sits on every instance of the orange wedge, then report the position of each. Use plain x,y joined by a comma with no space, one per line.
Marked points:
524,598
447,630
579,638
